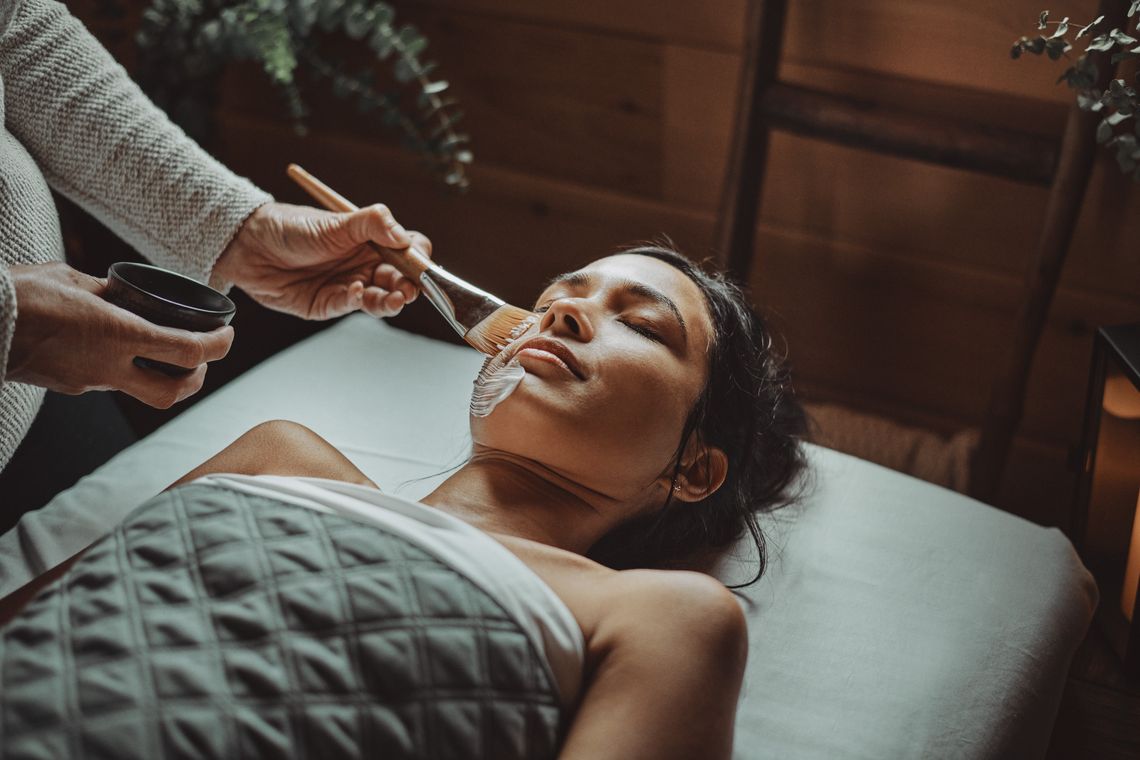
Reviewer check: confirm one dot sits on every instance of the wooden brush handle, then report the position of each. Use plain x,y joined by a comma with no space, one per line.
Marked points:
409,261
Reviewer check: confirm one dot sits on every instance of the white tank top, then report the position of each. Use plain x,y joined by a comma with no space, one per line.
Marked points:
488,564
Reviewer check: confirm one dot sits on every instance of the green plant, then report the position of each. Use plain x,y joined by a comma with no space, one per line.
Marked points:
185,44
1119,102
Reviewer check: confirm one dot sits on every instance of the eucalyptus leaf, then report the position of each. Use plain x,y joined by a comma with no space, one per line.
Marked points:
431,88
382,41
210,33
357,22
1056,48
415,46
1062,28
1015,51
453,141
384,13
1103,131
1116,118
1085,29
1132,9
1042,19
1037,46
407,33
1102,42
1121,38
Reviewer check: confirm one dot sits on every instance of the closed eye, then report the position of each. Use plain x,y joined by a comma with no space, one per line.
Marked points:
642,329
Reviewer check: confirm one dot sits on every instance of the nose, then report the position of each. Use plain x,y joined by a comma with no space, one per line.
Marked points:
568,317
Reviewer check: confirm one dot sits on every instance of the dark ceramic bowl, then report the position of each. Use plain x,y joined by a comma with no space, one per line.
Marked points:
169,299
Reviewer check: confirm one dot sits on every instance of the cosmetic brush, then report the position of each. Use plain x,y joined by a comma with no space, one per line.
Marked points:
483,320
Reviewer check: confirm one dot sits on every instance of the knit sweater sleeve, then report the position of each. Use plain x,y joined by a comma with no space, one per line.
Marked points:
102,143
7,319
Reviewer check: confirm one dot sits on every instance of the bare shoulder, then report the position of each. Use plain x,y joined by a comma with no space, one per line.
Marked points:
691,603
621,607
280,447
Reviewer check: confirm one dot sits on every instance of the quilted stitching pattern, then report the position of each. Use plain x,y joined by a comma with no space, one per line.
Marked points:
212,623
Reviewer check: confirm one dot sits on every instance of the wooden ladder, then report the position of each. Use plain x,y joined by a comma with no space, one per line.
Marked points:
764,103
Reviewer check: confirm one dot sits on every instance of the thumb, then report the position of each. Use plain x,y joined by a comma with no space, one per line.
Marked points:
376,223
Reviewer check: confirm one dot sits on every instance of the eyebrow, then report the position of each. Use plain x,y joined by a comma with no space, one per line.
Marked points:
583,279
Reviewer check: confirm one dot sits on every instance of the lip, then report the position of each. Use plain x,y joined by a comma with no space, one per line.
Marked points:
557,348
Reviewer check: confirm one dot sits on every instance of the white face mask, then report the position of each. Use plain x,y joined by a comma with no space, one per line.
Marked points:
498,378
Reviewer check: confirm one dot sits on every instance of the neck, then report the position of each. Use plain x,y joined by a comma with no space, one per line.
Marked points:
504,493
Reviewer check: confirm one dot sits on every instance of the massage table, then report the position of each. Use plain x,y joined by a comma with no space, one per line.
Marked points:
897,619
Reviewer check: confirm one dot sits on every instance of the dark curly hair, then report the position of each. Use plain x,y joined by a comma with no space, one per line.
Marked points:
748,410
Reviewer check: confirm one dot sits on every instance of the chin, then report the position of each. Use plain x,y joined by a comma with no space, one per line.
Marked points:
537,425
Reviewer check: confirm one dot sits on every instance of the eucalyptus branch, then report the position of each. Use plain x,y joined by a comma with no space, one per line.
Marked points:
1119,102
184,45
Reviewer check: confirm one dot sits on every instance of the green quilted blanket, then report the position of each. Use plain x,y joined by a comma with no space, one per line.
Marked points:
215,624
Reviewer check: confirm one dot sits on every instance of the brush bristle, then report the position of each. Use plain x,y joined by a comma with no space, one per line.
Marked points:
494,331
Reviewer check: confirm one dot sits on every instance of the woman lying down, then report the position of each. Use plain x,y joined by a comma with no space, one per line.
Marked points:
273,602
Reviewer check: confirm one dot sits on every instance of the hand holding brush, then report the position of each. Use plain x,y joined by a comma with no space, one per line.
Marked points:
484,321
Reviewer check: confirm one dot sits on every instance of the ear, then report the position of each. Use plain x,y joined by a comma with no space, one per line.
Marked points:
703,470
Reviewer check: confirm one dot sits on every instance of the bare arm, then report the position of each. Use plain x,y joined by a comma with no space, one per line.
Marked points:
666,673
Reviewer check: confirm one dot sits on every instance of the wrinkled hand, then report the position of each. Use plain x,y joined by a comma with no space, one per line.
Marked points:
316,264
68,339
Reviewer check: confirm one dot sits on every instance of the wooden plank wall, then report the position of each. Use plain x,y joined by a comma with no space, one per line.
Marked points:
596,124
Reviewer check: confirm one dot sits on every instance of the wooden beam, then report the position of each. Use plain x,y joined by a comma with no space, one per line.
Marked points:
864,124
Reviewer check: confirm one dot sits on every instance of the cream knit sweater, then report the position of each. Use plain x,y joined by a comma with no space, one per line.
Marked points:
73,120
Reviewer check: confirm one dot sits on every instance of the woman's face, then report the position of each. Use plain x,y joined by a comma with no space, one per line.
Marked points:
613,367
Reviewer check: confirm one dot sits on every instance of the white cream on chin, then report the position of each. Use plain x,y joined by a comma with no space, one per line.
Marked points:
497,378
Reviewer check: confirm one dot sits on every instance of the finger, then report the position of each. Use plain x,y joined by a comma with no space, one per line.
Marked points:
420,242
159,390
382,303
388,278
376,223
182,348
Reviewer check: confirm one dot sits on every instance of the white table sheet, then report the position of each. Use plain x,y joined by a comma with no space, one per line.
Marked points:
897,619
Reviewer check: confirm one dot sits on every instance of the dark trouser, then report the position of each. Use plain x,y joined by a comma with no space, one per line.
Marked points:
70,437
